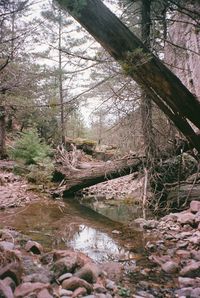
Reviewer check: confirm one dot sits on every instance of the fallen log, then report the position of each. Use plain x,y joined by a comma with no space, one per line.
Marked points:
75,181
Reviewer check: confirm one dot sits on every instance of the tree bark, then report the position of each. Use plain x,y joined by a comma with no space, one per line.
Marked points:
151,149
61,79
176,101
78,180
2,132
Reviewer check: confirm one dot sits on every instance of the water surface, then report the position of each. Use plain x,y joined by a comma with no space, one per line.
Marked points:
57,224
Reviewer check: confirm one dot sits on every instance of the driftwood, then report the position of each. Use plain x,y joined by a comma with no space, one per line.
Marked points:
76,180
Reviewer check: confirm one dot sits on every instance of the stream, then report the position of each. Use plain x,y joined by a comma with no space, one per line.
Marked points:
60,225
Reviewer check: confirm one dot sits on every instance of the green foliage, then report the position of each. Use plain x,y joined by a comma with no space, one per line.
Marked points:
33,157
134,60
124,292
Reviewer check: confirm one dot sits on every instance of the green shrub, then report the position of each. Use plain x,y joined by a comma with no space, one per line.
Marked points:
33,157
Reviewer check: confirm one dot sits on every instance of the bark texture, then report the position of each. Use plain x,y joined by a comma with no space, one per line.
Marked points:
148,71
182,52
78,180
2,132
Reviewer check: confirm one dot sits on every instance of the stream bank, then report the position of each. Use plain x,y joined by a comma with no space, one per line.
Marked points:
141,259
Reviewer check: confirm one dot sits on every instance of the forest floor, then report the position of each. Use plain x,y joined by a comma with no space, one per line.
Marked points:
173,254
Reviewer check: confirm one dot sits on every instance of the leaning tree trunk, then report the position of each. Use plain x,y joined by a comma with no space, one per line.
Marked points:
167,91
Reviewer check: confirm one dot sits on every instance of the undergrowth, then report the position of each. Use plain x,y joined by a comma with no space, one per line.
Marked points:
33,157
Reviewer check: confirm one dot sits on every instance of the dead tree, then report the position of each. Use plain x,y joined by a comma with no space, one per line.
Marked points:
165,89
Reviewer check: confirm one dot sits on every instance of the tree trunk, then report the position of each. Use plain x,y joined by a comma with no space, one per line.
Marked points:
2,132
167,91
146,102
78,180
61,80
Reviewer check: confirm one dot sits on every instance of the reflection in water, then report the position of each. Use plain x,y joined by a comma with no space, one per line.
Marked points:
99,246
68,225
120,212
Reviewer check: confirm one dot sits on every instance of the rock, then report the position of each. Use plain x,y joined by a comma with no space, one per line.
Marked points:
195,293
182,244
44,294
88,272
139,222
64,276
5,290
191,270
114,270
6,245
79,292
150,224
75,282
10,283
195,239
63,292
60,254
64,265
34,247
184,254
184,235
170,217
38,277
195,206
12,270
186,218
197,218
170,267
99,288
143,294
46,258
184,292
110,285
195,255
186,281
26,288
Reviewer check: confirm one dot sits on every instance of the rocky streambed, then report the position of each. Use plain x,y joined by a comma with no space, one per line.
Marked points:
69,251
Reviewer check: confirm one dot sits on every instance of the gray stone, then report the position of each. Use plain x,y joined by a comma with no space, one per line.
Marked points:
197,218
184,254
79,292
89,272
186,281
195,254
63,292
195,206
44,294
170,267
5,290
6,245
150,224
184,292
64,276
191,270
64,265
195,293
144,294
24,289
99,288
186,218
110,285
75,282
194,239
